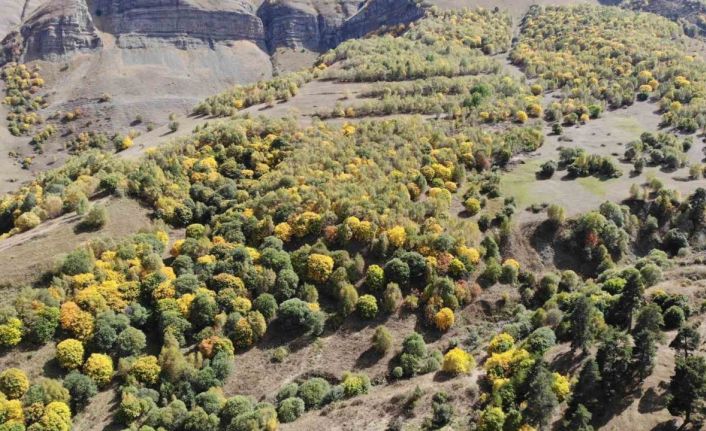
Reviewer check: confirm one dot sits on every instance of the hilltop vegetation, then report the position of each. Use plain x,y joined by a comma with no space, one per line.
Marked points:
290,235
607,58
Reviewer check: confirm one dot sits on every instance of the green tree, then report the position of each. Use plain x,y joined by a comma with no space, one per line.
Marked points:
687,387
644,353
631,298
541,400
687,340
581,317
367,307
290,409
588,388
580,420
81,388
614,359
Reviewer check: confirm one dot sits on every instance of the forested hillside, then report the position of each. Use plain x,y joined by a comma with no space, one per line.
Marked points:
463,222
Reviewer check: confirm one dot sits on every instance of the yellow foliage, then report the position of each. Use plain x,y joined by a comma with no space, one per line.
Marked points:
560,386
319,267
458,361
11,332
206,260
397,236
512,262
76,321
99,368
69,353
444,319
284,231
146,369
501,365
472,254
501,343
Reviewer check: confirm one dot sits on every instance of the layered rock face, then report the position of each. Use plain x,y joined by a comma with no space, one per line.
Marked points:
377,13
60,27
52,31
304,24
135,22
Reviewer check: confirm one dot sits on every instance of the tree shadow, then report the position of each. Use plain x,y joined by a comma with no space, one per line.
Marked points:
652,401
668,425
368,358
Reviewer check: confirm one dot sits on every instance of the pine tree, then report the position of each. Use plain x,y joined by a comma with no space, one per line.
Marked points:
687,387
688,339
649,318
644,353
613,358
580,420
581,328
631,298
588,387
540,397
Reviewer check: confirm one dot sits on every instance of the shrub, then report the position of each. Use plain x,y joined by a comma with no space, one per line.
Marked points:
674,317
99,368
280,354
95,218
556,214
444,319
397,271
397,236
382,340
492,419
472,206
367,307
266,305
78,262
547,169
348,298
501,343
11,332
313,392
391,298
290,409
69,353
13,383
319,267
375,277
458,361
131,341
146,369
355,384
80,387
27,221
540,341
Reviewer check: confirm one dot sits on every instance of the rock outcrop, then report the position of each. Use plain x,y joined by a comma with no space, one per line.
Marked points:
60,27
137,23
378,13
54,30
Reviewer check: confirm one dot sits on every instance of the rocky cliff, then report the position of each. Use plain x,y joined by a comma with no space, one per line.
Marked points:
54,30
61,27
136,22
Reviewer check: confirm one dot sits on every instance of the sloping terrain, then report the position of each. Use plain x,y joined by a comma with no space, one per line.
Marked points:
435,227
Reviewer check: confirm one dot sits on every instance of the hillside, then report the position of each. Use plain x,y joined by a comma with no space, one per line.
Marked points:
480,218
